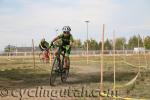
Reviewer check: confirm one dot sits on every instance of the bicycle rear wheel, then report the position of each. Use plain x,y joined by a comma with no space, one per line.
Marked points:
54,72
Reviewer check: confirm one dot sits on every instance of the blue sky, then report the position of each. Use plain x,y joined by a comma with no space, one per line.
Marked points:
22,20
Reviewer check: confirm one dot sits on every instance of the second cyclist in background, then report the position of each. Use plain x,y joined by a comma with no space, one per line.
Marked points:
44,46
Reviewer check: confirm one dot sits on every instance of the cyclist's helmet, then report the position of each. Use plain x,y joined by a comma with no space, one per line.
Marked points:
66,29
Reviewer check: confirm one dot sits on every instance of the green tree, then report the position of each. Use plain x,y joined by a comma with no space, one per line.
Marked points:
133,42
92,44
9,48
100,45
85,44
77,44
108,45
147,42
120,43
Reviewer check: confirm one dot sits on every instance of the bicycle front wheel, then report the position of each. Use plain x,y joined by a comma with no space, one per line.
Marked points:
54,72
64,75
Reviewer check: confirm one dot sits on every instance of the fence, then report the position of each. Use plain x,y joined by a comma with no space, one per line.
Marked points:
77,53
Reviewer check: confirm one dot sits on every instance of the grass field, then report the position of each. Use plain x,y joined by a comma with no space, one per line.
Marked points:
19,73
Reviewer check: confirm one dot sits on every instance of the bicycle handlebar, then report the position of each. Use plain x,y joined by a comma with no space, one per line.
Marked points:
56,46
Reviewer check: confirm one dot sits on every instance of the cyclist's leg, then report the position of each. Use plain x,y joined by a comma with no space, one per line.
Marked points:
67,59
43,55
47,56
66,62
56,51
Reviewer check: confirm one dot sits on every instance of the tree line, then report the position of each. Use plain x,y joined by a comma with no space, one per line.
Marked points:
120,44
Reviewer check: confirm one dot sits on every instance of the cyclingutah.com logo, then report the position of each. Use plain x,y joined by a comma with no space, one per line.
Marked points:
43,92
4,92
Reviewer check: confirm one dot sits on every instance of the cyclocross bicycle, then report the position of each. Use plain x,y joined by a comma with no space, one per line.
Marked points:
57,69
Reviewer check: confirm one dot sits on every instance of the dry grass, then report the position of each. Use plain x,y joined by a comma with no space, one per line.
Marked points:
18,72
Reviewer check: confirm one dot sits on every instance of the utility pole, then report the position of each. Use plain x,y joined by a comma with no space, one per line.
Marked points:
87,47
33,53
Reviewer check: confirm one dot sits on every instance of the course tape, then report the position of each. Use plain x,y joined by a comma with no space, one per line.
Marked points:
132,81
132,64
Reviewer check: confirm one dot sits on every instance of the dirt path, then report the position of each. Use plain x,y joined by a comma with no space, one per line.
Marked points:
80,76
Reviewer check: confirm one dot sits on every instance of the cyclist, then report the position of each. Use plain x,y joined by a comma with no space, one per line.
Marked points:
44,46
67,41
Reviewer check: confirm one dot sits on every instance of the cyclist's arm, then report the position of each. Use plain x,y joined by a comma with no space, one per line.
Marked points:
71,40
40,47
71,43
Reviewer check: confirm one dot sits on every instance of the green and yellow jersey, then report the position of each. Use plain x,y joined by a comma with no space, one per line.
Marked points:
66,39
